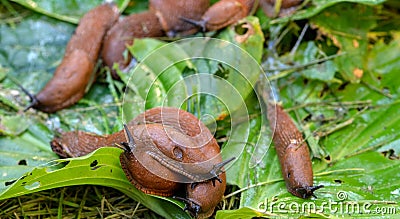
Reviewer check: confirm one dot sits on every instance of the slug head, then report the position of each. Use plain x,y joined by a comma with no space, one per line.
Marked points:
136,173
130,145
306,192
34,101
202,24
192,207
217,169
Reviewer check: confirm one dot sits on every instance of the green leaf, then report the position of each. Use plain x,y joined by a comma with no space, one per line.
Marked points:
353,166
248,35
69,11
228,70
317,6
101,167
3,73
20,154
158,77
308,52
243,213
155,81
13,125
32,60
350,38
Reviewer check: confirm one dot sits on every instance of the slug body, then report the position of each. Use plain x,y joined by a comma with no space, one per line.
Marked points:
73,75
223,13
170,12
286,8
122,34
201,197
170,150
293,153
163,18
204,197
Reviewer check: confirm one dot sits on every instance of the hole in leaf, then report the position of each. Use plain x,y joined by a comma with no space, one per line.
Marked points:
343,86
338,181
241,29
9,182
22,162
328,158
391,154
359,108
222,71
307,118
33,186
94,163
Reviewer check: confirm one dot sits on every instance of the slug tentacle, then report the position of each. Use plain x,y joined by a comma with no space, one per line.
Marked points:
130,145
32,98
217,169
200,23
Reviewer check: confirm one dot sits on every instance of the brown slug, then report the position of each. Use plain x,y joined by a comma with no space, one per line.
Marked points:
286,8
122,34
198,201
73,75
170,12
293,153
163,18
167,148
202,199
222,14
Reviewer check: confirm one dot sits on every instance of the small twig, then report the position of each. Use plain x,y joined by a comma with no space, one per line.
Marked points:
134,210
334,128
338,171
296,46
303,66
333,105
377,90
373,147
251,186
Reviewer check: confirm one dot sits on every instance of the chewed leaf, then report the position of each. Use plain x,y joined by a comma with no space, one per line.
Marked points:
101,167
349,38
